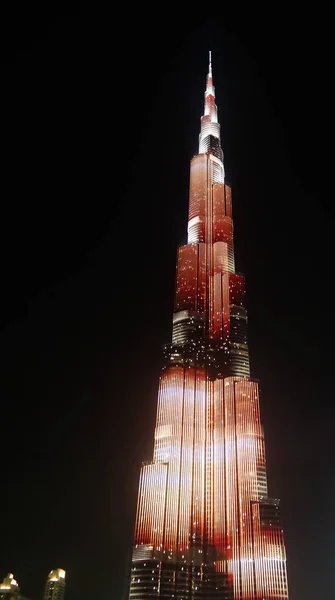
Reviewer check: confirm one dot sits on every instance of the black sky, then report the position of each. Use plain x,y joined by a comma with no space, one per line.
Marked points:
97,134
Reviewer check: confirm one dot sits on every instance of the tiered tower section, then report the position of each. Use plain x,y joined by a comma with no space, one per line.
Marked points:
205,526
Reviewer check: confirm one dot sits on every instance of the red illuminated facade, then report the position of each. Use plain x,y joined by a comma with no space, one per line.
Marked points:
205,525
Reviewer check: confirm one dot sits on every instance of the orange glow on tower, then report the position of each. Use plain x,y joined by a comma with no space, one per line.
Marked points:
205,525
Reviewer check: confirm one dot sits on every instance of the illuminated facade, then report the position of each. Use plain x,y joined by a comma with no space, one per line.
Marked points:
9,589
55,585
205,526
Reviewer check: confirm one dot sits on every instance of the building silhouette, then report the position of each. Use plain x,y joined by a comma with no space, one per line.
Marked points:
206,527
55,585
10,590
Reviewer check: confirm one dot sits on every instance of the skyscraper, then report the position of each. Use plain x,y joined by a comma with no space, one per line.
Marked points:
9,589
205,525
55,585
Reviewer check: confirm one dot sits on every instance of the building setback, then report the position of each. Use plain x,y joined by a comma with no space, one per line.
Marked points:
206,527
10,590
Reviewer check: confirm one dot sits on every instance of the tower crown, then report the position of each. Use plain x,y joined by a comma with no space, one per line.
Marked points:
56,575
9,583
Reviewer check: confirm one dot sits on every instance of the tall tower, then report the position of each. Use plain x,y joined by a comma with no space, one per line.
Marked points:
205,526
55,585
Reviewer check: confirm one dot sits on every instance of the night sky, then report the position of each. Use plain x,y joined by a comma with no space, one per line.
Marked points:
96,137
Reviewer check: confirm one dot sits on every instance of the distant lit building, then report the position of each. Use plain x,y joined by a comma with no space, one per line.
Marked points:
55,585
9,589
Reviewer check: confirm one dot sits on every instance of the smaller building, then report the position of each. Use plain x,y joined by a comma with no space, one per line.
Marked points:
9,589
55,585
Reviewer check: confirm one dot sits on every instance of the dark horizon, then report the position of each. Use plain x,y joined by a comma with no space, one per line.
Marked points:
95,197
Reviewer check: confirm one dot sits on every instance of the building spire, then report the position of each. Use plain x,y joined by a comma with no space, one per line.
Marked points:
210,110
209,86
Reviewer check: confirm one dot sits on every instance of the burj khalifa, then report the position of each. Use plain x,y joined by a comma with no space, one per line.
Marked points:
205,526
